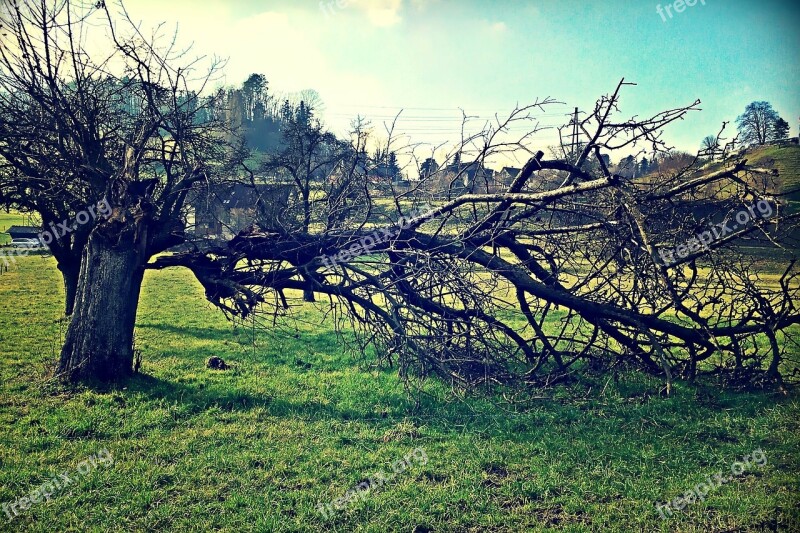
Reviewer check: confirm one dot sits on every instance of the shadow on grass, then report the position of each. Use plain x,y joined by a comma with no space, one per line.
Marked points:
202,397
205,332
276,347
436,416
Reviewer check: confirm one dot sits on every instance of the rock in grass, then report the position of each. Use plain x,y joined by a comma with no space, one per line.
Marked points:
216,363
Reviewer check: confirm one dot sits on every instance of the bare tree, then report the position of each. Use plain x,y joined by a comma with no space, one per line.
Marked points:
757,123
709,146
571,264
129,128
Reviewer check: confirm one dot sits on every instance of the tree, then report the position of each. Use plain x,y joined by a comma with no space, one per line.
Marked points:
780,129
75,132
459,287
757,123
627,166
428,167
235,111
392,166
442,290
303,116
254,95
710,145
311,158
675,161
286,112
255,114
644,166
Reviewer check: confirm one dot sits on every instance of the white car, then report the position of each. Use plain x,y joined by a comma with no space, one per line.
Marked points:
33,244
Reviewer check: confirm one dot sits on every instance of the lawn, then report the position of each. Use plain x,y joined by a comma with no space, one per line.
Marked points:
784,158
6,221
295,422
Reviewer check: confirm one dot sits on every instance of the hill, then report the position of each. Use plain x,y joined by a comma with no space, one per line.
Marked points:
786,159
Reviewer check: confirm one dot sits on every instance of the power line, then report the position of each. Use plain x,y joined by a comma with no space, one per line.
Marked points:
410,108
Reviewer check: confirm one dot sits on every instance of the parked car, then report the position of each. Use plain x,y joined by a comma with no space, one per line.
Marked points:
34,244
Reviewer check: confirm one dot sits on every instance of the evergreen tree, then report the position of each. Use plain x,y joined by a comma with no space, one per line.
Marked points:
394,168
457,160
781,129
428,167
286,112
644,166
304,115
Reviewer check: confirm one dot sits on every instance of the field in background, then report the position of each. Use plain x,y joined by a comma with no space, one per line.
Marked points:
786,159
295,423
6,221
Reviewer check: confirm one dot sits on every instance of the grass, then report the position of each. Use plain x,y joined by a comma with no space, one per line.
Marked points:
295,423
6,221
786,159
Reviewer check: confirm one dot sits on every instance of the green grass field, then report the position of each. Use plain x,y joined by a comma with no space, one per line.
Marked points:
786,159
6,221
295,423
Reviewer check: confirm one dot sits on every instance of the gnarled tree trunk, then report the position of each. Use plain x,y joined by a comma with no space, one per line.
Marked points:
99,339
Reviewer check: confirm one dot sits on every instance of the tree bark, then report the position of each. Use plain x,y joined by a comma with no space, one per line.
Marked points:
99,340
69,272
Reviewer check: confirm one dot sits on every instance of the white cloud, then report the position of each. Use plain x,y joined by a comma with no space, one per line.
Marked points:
381,13
498,27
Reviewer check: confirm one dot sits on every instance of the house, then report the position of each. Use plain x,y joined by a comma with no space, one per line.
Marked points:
227,209
473,176
509,174
382,173
505,178
24,232
402,185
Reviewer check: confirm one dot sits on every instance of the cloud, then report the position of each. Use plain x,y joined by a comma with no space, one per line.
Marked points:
382,13
498,27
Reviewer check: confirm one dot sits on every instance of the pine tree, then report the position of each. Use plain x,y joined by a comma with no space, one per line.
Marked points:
644,166
780,130
394,168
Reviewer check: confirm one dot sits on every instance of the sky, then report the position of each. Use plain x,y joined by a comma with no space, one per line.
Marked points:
433,58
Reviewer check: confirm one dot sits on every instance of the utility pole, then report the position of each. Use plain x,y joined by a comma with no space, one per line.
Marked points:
573,145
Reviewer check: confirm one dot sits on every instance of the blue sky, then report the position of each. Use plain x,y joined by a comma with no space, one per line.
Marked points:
432,57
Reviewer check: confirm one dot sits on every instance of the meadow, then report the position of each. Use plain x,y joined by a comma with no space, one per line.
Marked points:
296,422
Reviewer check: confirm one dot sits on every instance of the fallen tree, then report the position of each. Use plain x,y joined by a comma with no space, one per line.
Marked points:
568,265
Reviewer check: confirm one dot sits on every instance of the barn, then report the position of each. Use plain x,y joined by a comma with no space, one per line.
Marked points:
23,232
